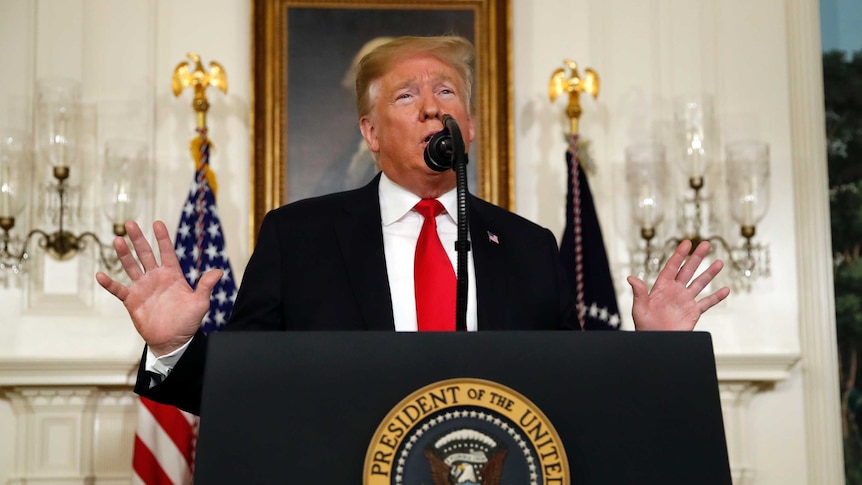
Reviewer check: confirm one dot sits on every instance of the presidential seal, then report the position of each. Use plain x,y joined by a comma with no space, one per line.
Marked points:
469,432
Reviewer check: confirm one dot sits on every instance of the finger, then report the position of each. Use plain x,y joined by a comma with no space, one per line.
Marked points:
209,280
130,265
706,277
114,288
709,301
142,246
690,266
639,288
670,269
166,247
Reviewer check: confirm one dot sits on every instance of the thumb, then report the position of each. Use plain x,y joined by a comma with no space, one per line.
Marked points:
208,281
639,288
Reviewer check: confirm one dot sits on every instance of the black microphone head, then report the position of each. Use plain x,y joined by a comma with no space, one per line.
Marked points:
440,153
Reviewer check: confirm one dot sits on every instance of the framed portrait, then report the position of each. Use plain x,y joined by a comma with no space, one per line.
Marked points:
305,128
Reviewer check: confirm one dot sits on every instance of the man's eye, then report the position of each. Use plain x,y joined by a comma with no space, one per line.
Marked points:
404,96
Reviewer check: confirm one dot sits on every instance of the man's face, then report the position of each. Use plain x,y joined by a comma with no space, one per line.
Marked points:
409,101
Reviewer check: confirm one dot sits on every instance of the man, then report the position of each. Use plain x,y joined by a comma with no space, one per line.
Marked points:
346,261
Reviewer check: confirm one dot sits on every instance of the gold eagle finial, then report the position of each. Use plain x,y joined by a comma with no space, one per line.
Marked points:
568,80
199,79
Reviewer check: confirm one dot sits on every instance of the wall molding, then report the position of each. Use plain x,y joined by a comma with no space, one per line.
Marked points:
28,372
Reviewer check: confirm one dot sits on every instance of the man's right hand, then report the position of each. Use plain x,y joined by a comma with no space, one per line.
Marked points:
166,311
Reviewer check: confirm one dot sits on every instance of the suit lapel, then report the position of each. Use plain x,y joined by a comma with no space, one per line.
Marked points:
489,259
360,238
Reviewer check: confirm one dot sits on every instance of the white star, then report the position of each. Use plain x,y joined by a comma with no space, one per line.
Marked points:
188,209
206,319
196,253
603,314
615,320
221,296
212,251
181,252
225,275
594,310
219,318
223,254
193,274
183,231
233,297
213,230
214,210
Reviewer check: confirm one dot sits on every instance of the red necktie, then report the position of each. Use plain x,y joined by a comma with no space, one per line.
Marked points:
433,277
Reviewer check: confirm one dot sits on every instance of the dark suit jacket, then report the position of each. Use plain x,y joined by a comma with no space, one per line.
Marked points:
319,265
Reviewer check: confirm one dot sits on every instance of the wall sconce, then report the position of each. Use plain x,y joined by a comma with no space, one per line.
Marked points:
747,188
58,123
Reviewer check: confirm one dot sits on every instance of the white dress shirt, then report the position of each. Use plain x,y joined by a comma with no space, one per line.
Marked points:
401,226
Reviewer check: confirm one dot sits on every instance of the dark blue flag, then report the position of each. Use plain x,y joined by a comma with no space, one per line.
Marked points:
200,244
582,252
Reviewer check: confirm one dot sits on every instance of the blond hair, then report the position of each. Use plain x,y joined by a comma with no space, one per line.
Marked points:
457,52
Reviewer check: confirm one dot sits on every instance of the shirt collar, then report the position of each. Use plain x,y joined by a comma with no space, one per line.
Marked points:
396,201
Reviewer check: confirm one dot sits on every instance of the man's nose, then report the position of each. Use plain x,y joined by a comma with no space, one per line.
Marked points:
430,107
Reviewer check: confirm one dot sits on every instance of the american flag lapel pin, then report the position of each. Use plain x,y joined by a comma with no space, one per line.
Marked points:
493,238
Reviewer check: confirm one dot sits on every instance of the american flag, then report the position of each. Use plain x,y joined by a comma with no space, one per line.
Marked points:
582,251
165,439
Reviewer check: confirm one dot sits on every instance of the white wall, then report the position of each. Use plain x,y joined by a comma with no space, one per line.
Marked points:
643,50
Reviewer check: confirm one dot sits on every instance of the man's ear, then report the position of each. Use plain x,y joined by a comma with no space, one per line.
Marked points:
471,130
366,126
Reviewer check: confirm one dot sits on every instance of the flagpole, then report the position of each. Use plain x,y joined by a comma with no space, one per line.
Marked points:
582,250
158,457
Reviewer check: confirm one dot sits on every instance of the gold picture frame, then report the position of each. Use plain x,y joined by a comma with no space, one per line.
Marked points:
283,26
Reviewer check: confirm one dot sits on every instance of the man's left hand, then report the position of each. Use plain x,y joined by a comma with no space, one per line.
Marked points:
672,303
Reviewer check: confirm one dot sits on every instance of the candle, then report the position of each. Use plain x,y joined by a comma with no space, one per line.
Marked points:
5,201
647,205
6,191
748,200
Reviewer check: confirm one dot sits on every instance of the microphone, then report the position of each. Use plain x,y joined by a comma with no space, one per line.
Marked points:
440,151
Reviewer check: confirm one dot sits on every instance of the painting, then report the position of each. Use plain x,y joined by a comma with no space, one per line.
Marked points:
306,139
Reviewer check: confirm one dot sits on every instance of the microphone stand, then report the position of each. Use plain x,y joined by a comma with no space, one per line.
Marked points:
462,244
445,151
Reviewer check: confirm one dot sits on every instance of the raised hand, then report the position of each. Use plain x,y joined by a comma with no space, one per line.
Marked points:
166,311
672,303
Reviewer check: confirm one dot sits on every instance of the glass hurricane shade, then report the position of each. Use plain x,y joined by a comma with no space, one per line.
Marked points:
646,173
748,181
694,127
15,173
125,186
58,120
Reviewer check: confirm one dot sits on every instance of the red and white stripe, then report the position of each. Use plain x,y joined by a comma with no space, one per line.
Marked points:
575,181
164,445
